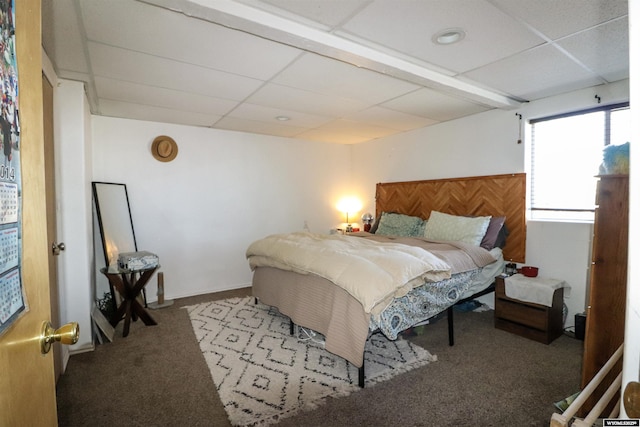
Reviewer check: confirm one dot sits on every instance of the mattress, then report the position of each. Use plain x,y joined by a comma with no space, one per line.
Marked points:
316,303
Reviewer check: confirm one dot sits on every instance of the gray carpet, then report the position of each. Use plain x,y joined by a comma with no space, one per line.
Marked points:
158,377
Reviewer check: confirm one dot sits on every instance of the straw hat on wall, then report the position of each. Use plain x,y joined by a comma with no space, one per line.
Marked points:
164,148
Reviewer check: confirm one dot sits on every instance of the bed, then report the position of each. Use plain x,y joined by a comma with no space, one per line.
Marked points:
347,314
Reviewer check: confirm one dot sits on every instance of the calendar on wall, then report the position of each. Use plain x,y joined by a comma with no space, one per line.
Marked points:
12,297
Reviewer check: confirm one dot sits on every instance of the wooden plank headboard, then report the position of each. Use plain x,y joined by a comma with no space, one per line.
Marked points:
495,195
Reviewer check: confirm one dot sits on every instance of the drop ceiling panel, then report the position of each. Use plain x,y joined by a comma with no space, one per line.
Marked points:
261,113
154,114
151,70
117,90
535,73
167,34
278,96
347,132
64,41
330,77
408,27
557,19
603,49
254,126
390,119
434,105
336,138
327,12
352,127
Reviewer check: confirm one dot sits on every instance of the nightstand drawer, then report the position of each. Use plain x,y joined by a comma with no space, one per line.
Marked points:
534,321
527,315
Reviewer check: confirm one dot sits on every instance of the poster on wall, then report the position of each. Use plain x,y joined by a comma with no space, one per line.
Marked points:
12,299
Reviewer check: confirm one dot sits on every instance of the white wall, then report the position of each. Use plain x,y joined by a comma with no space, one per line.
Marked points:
563,250
200,212
486,144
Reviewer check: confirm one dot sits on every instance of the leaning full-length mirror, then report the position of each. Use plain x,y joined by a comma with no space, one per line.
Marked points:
114,219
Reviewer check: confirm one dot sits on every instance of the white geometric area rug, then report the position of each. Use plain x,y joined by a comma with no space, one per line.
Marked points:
263,374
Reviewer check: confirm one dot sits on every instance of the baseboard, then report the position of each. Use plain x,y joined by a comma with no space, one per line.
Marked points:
84,349
194,294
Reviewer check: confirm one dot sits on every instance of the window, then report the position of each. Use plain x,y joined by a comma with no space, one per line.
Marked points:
566,152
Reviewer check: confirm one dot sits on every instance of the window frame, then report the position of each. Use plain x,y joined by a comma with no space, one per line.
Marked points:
564,214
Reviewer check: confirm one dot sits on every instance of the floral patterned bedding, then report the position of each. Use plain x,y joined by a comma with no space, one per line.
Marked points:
421,304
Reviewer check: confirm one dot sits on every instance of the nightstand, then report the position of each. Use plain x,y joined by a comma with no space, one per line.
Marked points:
534,321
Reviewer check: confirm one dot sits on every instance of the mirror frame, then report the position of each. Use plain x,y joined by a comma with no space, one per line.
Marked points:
114,212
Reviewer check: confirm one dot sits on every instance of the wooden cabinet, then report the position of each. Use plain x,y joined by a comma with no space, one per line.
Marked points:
534,321
604,331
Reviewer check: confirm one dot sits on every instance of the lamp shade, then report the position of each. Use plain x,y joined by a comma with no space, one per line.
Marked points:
349,205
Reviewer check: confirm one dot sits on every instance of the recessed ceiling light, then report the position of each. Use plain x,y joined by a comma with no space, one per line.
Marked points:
448,36
283,118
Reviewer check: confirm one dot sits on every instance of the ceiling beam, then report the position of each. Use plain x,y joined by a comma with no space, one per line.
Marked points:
263,24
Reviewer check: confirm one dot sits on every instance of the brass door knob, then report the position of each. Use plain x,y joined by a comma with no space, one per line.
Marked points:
631,399
67,334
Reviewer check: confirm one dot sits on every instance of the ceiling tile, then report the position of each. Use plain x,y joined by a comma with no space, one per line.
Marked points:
328,12
346,132
330,77
154,114
408,26
390,119
434,105
557,19
167,34
255,126
151,70
118,90
63,42
269,115
278,96
535,74
604,49
322,135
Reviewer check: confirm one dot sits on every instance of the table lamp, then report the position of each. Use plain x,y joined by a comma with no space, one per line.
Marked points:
349,204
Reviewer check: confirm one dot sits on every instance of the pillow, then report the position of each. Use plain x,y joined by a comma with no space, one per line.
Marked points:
493,233
502,237
442,226
394,224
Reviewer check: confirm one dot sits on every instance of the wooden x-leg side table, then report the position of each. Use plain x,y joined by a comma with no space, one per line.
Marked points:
129,285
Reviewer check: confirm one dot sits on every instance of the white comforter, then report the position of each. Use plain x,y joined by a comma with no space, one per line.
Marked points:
372,272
